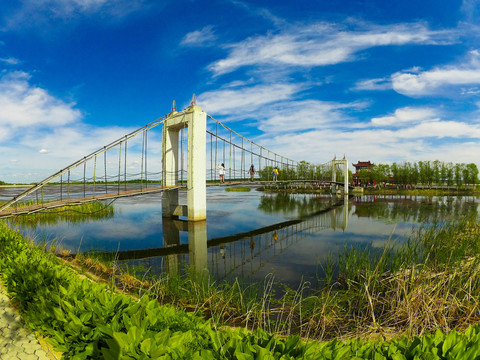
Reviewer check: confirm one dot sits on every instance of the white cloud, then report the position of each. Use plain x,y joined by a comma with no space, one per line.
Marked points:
432,81
35,12
406,115
260,12
441,129
244,99
471,9
322,44
23,104
202,37
416,82
43,151
470,91
373,84
305,115
10,61
439,79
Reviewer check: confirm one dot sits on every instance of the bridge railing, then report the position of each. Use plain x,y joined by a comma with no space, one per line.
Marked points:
238,154
106,170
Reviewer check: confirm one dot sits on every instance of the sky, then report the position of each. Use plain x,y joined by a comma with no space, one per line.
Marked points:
385,81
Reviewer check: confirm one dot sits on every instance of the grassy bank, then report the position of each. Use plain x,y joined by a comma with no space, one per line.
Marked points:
308,188
430,282
238,189
424,192
88,320
81,213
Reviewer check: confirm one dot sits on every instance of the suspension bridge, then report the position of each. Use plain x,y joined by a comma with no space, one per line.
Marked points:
181,150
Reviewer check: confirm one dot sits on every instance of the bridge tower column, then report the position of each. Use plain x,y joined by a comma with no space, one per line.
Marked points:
345,176
334,175
195,120
343,162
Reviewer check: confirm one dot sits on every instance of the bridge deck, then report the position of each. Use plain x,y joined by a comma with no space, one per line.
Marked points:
29,209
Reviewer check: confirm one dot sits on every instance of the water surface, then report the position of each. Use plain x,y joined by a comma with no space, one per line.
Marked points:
289,236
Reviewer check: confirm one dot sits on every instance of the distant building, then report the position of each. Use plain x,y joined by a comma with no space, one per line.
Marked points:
360,165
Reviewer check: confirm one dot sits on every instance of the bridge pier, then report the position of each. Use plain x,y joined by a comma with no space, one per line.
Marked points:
195,120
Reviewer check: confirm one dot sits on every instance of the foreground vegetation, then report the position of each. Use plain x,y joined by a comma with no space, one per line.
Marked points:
403,301
431,282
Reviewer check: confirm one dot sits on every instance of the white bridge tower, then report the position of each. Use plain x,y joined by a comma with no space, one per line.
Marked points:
195,120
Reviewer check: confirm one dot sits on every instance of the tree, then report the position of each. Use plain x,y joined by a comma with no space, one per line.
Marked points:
436,172
465,174
428,172
443,172
458,174
395,173
365,176
450,170
424,172
381,173
303,169
473,173
266,173
414,174
287,173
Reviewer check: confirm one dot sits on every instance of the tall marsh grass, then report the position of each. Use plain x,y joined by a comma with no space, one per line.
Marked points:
430,282
80,213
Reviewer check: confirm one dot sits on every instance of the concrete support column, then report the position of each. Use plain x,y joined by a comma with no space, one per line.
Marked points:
197,164
170,152
345,178
195,120
334,175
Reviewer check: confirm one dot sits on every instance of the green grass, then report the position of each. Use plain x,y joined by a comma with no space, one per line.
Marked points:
424,192
238,189
88,320
81,213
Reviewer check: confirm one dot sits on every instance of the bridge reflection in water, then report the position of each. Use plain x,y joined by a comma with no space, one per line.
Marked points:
241,255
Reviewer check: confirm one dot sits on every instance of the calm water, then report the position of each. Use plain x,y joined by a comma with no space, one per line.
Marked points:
248,234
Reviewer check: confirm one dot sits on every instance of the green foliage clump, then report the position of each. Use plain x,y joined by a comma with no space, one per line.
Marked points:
238,189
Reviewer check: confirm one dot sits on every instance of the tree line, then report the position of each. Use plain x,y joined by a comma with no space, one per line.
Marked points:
422,172
303,170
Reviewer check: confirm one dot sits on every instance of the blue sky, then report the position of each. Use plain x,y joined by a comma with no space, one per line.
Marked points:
375,80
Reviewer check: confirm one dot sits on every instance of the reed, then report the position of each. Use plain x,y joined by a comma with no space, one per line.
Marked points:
81,213
430,282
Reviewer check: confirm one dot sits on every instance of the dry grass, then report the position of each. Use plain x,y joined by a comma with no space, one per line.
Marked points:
432,282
